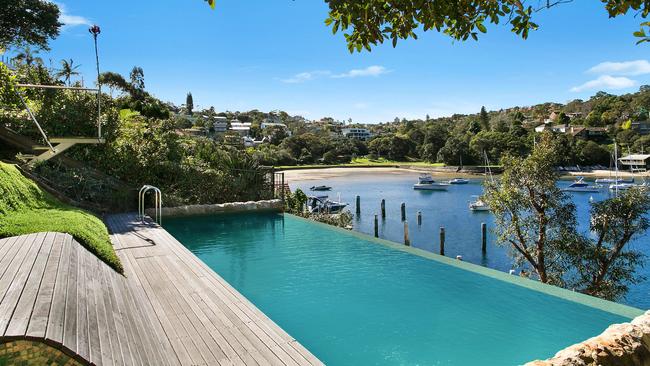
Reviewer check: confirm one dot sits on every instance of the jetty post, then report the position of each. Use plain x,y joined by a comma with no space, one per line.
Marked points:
358,205
403,209
419,218
383,208
407,241
483,237
376,227
442,240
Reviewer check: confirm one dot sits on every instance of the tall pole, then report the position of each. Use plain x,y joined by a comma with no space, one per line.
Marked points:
95,31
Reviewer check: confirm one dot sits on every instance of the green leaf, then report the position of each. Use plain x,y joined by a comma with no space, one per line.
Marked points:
481,27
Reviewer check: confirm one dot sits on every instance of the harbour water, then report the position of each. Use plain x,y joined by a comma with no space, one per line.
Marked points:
448,209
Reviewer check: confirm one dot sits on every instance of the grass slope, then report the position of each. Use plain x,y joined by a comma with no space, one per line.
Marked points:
26,209
362,162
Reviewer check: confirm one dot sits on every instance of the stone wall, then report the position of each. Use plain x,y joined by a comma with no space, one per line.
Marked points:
269,205
621,344
21,352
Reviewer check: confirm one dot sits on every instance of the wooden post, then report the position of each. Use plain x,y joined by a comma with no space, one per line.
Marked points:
419,218
376,227
407,242
403,209
483,237
442,240
383,208
358,205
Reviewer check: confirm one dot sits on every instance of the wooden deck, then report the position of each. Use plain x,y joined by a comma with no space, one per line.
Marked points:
206,321
168,309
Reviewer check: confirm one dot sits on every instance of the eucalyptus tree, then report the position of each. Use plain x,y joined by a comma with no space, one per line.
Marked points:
367,23
536,220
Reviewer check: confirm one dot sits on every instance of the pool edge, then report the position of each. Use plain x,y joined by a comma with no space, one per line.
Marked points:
587,300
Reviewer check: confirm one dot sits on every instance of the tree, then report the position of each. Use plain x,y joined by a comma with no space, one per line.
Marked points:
604,265
28,22
537,221
484,119
28,57
137,83
189,103
67,70
371,22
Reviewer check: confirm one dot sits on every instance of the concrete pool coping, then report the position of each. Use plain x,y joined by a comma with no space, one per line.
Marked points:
573,296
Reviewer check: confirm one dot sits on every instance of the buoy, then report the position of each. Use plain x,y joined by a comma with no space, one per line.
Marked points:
591,198
459,257
512,272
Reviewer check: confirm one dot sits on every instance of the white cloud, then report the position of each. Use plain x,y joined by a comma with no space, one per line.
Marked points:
368,71
70,20
311,75
305,76
629,68
605,82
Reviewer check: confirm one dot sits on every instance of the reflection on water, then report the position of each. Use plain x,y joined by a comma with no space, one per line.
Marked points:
448,209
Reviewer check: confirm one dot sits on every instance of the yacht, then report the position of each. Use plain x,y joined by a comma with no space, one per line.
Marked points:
426,182
622,186
322,204
320,188
459,181
581,186
478,205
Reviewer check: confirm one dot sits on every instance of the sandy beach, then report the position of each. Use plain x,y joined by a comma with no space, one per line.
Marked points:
298,175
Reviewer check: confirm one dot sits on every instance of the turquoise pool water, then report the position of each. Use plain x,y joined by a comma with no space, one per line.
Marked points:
352,300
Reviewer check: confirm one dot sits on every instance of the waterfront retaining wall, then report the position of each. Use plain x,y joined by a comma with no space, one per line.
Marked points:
620,344
193,210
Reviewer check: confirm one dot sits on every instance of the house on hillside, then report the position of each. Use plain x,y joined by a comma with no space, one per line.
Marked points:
549,126
641,127
587,132
243,128
220,124
635,162
357,133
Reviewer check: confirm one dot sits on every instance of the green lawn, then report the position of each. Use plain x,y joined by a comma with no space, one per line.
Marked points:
364,162
26,209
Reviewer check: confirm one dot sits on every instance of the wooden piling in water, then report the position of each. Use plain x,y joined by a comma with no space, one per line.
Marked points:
383,208
376,227
407,241
442,240
483,237
419,218
403,209
358,205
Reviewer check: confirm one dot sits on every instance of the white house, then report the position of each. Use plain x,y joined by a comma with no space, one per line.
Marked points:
357,133
636,162
551,127
242,128
220,124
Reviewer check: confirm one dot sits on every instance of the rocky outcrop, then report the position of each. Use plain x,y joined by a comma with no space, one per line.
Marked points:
621,344
268,205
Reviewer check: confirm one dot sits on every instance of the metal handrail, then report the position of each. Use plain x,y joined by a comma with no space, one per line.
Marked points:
158,203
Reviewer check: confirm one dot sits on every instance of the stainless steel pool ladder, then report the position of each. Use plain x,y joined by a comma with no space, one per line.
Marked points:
158,207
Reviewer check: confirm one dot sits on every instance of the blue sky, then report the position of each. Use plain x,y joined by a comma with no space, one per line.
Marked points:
267,55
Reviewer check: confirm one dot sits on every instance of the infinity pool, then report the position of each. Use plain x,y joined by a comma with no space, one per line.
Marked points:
354,300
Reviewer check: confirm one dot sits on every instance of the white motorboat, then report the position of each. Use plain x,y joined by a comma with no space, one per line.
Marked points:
322,204
478,205
459,181
427,183
623,186
581,186
320,188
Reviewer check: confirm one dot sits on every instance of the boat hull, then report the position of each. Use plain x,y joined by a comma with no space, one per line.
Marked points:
583,189
431,187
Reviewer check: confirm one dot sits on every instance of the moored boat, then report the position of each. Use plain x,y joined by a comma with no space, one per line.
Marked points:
459,181
581,186
478,205
320,188
427,183
322,204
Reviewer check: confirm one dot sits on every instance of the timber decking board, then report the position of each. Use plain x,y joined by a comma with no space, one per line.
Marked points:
205,319
168,308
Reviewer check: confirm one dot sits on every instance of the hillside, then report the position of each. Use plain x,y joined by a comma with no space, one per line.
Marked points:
25,208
